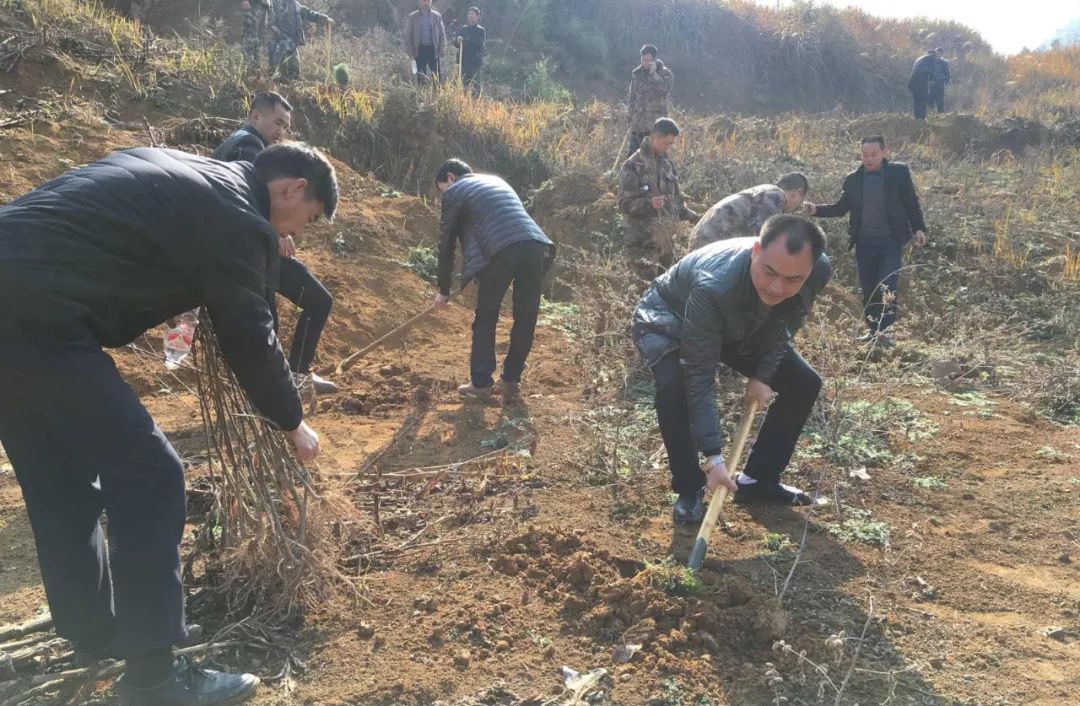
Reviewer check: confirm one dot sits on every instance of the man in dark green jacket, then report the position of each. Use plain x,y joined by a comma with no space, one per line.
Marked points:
884,216
94,258
738,303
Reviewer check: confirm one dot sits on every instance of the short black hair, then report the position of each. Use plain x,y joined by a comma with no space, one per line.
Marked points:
870,139
296,160
939,50
666,126
794,180
650,49
799,232
456,167
473,9
268,100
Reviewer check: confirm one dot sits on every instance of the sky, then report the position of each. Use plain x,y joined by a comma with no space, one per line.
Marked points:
1007,25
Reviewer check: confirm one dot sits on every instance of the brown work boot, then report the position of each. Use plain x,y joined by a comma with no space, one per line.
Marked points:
510,391
471,392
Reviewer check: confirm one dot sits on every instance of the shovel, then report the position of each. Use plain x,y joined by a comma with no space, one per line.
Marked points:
720,495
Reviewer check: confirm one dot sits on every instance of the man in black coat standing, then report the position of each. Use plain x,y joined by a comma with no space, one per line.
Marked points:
470,41
885,215
919,82
941,78
269,120
501,245
94,258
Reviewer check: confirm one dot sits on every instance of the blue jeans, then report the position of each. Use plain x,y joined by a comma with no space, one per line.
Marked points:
879,264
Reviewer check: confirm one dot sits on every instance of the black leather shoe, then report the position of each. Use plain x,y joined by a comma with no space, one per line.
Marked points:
190,685
776,493
689,509
86,658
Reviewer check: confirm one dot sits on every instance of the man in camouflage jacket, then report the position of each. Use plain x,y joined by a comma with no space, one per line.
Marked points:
651,203
289,17
741,215
650,91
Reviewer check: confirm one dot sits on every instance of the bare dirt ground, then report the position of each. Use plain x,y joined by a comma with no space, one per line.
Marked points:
489,576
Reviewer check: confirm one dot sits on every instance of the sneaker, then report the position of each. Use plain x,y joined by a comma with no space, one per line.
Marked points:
471,392
87,658
689,508
190,685
776,493
322,385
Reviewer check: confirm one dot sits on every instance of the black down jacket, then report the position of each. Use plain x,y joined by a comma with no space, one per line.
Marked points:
104,252
705,306
486,215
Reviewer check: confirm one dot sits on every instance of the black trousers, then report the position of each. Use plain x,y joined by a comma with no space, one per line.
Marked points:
81,443
427,63
879,264
301,287
920,96
520,264
796,385
470,76
635,141
937,96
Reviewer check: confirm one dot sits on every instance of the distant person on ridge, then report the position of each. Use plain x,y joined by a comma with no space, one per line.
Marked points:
268,122
885,215
741,215
424,38
919,82
470,41
942,77
257,14
500,245
651,203
650,95
288,35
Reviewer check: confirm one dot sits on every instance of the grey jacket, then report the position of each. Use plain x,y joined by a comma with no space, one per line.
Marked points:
739,215
486,215
410,38
706,307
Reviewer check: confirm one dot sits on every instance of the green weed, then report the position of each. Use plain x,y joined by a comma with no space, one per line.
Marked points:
930,482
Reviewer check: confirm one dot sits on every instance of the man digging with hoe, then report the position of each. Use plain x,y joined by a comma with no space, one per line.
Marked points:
737,303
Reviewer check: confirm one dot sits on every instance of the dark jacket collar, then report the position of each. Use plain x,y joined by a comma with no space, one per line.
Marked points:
861,171
250,129
260,192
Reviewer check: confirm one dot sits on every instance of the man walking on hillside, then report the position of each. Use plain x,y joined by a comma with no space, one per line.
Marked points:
92,259
741,215
424,38
268,122
736,303
257,14
650,95
501,245
288,35
885,215
470,41
941,78
651,203
919,82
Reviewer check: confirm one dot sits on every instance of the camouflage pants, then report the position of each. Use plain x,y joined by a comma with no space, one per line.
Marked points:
251,40
284,57
649,246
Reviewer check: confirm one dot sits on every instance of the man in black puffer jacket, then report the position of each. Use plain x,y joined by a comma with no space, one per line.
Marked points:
269,120
501,245
738,303
94,258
